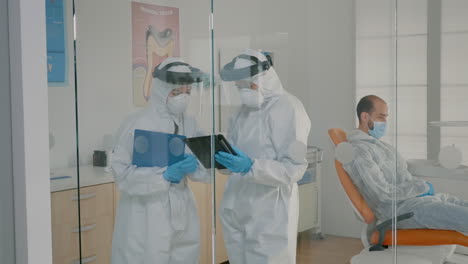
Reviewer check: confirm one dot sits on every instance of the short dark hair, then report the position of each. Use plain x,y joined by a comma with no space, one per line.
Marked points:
366,105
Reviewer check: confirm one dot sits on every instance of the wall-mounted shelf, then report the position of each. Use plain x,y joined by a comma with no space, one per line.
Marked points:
409,35
448,123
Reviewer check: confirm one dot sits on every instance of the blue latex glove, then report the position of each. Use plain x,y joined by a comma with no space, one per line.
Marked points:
430,192
239,164
177,171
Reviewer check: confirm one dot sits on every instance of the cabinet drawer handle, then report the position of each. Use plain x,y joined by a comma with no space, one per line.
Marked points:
85,260
84,228
84,196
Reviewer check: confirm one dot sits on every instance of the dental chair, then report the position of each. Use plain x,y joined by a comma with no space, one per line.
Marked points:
413,245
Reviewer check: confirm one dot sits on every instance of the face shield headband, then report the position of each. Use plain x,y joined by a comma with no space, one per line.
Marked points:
228,73
180,78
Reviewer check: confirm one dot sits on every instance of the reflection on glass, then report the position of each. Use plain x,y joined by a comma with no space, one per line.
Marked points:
136,203
62,133
381,174
309,46
157,220
427,46
373,166
454,82
259,211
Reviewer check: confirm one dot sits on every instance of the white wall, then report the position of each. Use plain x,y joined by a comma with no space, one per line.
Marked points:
331,58
104,62
314,48
33,240
62,108
104,73
7,244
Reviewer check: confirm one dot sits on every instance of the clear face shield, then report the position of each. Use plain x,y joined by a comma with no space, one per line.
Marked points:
183,89
243,80
182,82
241,93
179,99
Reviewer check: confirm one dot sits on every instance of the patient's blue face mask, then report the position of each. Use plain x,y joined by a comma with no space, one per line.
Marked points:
379,129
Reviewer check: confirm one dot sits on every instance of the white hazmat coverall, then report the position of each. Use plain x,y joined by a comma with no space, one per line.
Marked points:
156,220
260,211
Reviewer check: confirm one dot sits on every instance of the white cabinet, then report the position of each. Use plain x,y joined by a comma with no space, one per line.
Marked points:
310,202
308,207
452,181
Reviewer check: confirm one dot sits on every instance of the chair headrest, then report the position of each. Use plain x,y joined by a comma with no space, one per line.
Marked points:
337,135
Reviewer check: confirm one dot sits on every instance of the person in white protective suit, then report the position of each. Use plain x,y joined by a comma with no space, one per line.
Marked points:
259,211
157,219
378,170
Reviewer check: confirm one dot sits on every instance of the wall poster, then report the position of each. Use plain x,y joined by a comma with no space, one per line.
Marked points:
155,36
57,71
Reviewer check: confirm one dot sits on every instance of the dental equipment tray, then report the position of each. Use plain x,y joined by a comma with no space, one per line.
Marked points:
201,148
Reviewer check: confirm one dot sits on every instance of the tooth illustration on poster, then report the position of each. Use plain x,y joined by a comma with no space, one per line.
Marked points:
155,36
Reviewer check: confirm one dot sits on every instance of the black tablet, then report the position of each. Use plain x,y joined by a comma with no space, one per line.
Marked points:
201,148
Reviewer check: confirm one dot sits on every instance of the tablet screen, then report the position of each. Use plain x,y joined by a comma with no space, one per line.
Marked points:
201,148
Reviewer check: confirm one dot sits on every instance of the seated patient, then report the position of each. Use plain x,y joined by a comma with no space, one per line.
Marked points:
377,166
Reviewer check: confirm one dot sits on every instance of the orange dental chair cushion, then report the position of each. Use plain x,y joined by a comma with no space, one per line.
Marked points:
423,237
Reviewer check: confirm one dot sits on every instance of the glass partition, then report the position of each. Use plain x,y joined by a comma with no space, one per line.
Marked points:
63,132
257,131
143,78
129,82
453,82
374,170
7,219
285,76
431,128
253,131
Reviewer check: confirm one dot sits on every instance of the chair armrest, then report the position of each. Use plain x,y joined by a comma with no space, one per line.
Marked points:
383,227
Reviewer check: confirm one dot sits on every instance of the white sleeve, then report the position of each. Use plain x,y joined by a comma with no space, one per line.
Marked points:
288,127
201,174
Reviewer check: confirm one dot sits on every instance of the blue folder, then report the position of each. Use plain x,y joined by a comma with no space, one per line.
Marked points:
156,149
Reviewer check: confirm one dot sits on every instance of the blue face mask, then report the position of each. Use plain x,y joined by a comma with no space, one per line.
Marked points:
379,130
